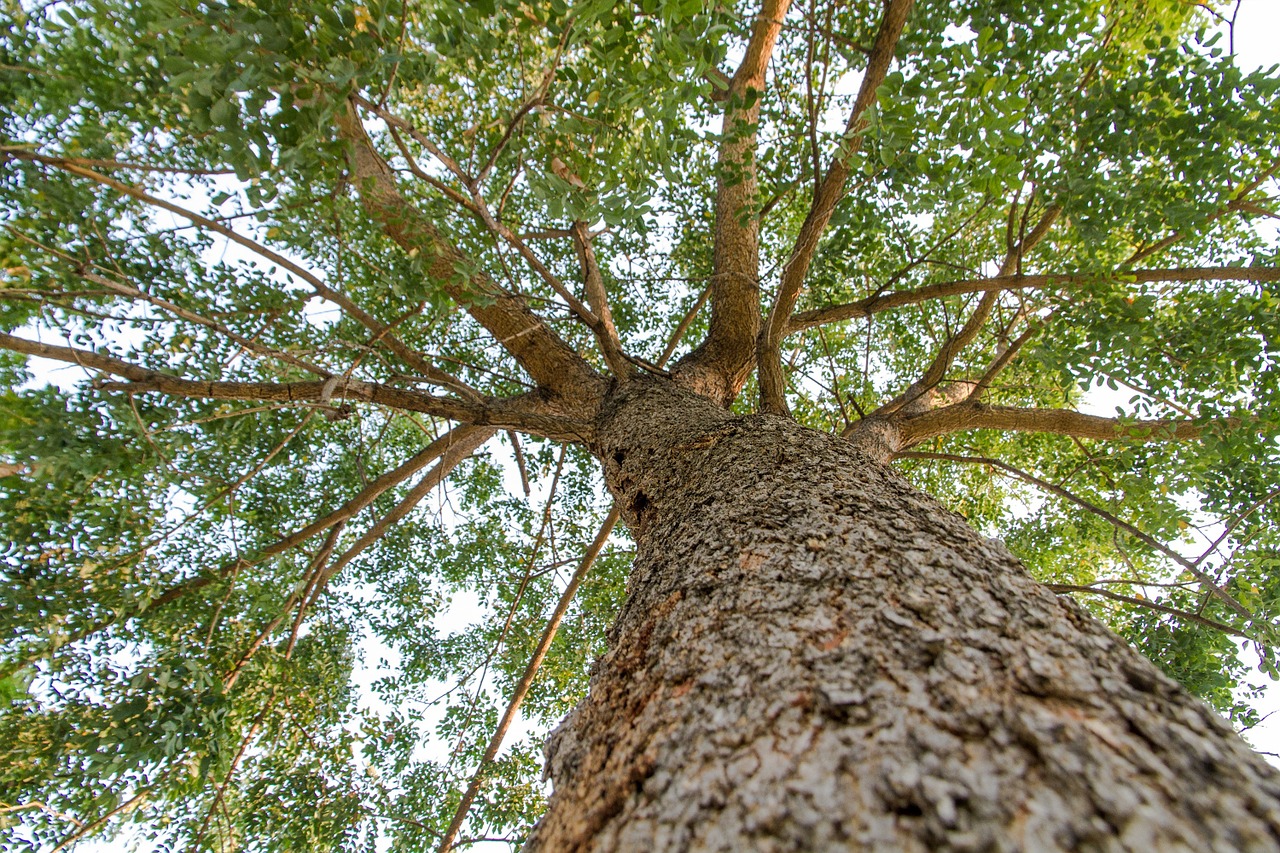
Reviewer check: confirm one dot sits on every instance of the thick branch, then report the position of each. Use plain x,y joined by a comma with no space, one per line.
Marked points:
769,356
719,367
900,298
321,289
514,414
477,205
968,416
919,391
551,362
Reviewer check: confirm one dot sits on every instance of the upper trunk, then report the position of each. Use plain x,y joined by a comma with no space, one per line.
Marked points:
815,656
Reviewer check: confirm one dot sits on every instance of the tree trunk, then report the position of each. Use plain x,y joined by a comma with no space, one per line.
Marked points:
814,655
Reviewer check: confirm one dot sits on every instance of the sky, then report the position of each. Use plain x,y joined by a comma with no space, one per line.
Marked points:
1257,44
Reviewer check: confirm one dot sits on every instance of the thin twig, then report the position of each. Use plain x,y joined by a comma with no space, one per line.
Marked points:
526,680
1110,518
1148,604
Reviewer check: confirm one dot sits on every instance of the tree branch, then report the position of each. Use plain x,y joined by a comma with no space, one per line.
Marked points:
122,289
1237,202
433,182
1150,605
919,395
720,365
538,98
897,299
593,284
83,829
458,450
769,355
968,416
530,672
683,326
95,163
221,789
1111,519
380,485
321,289
178,311
479,207
1003,360
516,413
321,571
551,362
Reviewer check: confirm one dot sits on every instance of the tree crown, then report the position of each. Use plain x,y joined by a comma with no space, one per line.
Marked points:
335,293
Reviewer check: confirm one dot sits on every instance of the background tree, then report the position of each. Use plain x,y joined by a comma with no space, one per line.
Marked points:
339,294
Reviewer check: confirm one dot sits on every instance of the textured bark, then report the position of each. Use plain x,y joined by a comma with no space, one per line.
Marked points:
815,656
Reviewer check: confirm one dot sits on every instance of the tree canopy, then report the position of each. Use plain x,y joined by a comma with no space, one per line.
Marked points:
300,301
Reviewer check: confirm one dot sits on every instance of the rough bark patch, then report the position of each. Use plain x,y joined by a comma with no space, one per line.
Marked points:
815,656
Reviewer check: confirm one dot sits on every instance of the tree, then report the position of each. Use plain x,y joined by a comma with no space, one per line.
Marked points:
328,286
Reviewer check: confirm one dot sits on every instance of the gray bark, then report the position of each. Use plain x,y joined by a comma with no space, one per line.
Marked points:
816,656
